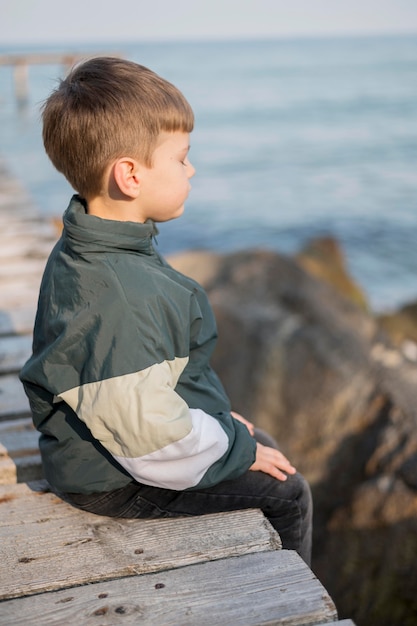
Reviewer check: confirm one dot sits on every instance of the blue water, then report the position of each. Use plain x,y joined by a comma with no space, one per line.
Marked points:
294,139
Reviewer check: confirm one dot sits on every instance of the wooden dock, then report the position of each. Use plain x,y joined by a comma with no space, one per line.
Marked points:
21,63
65,566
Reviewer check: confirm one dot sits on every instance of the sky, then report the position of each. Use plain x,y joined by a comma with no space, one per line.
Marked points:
48,22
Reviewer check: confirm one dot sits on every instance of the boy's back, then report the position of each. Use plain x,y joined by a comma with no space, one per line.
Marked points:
117,331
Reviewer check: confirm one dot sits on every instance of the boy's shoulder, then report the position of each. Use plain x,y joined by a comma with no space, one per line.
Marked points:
113,275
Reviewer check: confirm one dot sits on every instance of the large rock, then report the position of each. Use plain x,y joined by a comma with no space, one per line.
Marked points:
401,327
324,258
312,368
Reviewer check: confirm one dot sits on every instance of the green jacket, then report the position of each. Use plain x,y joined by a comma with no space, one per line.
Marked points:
119,382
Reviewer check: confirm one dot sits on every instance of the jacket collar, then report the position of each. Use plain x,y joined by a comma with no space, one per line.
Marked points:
88,233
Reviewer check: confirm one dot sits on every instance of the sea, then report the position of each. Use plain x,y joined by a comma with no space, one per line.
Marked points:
294,139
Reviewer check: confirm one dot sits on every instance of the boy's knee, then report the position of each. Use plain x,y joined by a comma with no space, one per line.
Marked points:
305,498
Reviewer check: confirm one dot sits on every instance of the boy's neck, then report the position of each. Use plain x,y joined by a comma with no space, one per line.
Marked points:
108,209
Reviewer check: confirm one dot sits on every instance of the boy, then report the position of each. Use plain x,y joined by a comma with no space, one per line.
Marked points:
133,420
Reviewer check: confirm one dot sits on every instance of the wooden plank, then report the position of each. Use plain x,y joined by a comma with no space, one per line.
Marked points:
13,400
264,588
30,225
45,544
19,291
25,247
14,352
20,469
19,320
19,437
11,267
342,622
20,459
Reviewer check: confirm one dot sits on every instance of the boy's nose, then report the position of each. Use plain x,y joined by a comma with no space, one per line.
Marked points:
190,170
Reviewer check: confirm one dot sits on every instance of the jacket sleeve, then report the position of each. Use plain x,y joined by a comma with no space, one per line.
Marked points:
128,373
155,436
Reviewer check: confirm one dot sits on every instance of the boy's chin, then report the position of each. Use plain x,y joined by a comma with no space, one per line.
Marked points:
174,216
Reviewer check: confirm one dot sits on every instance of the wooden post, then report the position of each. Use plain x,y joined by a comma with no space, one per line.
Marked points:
21,82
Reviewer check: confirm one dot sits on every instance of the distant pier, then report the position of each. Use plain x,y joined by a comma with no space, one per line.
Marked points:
21,63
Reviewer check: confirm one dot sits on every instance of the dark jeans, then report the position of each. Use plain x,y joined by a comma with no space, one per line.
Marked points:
286,504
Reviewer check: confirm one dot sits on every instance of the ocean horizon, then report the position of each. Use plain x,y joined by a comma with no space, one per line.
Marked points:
294,139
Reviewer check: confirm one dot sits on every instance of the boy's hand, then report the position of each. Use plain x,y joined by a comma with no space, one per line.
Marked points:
240,418
272,461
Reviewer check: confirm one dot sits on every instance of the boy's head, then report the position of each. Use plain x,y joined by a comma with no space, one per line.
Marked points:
104,109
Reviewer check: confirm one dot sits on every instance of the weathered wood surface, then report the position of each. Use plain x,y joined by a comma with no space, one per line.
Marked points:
20,459
273,587
26,240
17,320
13,400
341,622
21,468
45,544
14,351
19,437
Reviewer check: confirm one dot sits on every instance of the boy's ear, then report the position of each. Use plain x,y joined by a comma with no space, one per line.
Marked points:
126,174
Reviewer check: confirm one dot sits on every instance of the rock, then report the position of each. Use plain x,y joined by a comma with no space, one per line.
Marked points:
278,326
401,326
408,472
370,550
324,258
313,369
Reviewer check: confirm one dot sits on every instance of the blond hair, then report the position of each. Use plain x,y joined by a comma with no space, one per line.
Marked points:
104,109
